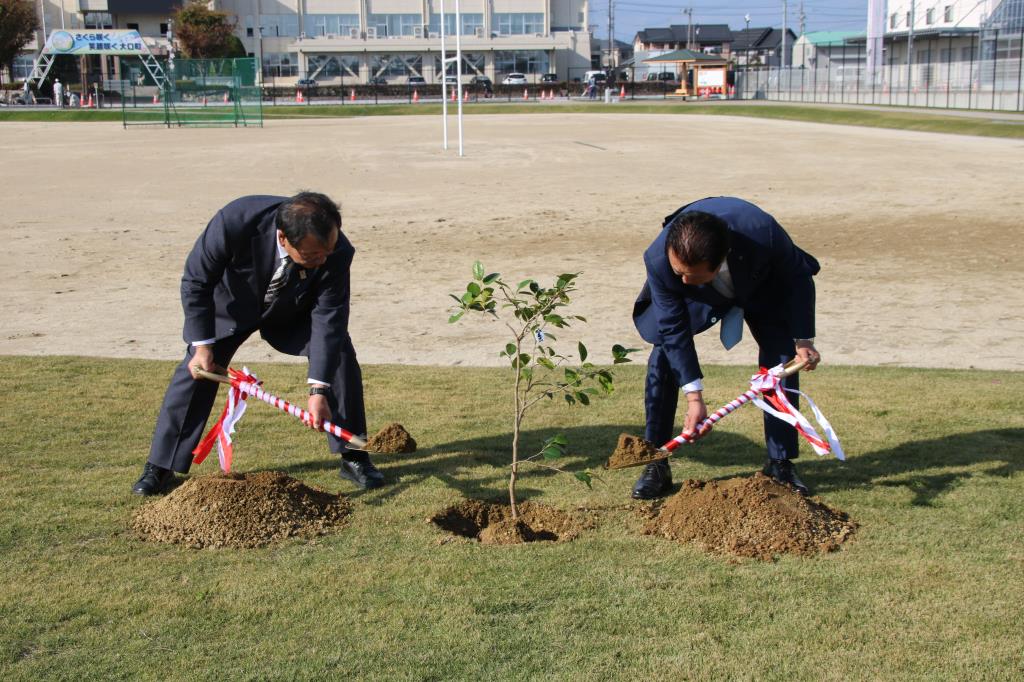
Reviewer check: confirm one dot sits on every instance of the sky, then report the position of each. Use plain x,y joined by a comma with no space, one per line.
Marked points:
821,15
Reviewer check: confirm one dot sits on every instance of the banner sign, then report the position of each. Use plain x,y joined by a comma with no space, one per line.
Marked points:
96,42
711,78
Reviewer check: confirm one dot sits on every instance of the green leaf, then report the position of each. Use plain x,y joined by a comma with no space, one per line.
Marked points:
569,399
467,298
552,452
556,320
550,336
457,299
524,359
543,361
583,351
478,270
523,284
473,288
584,476
534,287
559,440
583,398
491,278
510,349
456,316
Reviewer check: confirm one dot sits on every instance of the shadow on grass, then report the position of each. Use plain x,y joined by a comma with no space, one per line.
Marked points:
923,467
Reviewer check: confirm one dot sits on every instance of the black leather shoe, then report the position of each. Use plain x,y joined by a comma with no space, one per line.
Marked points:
362,473
784,471
154,480
655,481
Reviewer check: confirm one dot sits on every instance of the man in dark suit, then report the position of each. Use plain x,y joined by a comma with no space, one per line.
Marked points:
721,261
280,266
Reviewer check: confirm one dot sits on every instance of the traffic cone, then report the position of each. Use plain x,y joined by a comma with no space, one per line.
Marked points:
415,96
455,94
526,94
204,100
299,99
156,98
225,98
551,95
465,95
90,105
352,95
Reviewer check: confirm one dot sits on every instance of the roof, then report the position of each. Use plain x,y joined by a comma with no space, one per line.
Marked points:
685,56
829,37
748,38
773,39
703,34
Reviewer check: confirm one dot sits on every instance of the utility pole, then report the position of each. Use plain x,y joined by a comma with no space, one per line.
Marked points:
785,17
803,18
611,32
689,30
910,40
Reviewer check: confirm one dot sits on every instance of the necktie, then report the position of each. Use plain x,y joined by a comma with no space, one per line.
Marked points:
732,327
278,281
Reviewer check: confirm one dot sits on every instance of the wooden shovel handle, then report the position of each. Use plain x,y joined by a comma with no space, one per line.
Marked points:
212,376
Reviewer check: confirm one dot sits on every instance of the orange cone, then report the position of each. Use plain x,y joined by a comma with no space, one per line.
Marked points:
352,95
622,92
526,94
90,105
225,98
455,94
465,95
204,100
298,97
156,98
415,96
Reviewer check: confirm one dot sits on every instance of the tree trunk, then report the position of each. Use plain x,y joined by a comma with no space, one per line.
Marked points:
515,440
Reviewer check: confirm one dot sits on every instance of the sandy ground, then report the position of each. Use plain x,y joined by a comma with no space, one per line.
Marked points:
919,234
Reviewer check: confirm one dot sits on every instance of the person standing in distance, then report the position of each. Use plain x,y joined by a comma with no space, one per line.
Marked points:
279,266
722,261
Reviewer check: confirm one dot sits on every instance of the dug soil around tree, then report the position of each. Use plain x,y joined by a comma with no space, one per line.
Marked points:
392,439
491,523
240,510
754,517
631,451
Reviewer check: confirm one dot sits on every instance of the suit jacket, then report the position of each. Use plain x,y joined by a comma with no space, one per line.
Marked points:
771,276
227,274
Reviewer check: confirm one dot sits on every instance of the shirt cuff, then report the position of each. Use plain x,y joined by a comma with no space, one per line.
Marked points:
317,381
204,342
695,385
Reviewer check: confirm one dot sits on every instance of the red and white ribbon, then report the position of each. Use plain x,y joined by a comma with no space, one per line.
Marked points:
243,385
221,432
764,392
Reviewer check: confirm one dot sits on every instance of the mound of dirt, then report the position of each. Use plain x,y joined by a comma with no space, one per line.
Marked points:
392,439
750,517
240,510
491,523
632,450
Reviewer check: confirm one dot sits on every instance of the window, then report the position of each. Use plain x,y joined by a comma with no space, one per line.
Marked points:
518,23
396,66
22,66
908,19
394,24
132,27
279,25
524,61
163,29
99,20
947,13
929,16
472,64
333,66
280,64
892,20
330,24
470,22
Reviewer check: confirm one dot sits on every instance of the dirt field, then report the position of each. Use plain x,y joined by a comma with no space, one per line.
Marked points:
918,233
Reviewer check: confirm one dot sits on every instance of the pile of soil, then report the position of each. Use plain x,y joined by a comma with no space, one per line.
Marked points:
392,439
633,450
753,517
491,523
240,510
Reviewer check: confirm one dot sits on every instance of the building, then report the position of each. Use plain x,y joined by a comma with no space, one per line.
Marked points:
360,40
827,50
762,46
716,39
354,41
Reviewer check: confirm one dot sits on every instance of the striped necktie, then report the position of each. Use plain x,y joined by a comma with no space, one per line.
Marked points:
278,281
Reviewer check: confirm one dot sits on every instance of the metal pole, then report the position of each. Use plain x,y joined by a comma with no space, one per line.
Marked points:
444,78
1020,69
785,17
949,67
970,75
458,66
910,50
995,60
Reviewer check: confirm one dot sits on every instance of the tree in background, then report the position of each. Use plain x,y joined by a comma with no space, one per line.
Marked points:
18,24
203,33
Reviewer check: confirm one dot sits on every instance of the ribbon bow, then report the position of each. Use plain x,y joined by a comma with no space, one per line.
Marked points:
242,383
772,400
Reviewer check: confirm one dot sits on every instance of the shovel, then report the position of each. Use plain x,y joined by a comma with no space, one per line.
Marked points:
355,442
666,450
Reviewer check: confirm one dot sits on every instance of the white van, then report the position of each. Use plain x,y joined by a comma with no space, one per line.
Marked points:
598,76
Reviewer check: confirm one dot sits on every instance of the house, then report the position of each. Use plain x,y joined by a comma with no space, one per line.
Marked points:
827,49
762,46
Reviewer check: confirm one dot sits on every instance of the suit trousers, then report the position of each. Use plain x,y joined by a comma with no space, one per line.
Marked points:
775,345
188,403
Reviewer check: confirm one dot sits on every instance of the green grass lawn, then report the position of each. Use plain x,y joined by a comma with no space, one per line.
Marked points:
874,118
930,586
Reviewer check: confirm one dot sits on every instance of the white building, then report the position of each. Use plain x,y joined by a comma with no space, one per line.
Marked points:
359,40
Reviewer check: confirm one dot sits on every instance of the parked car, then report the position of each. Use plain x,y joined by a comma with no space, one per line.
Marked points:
598,76
306,82
514,79
666,76
416,80
549,78
451,80
378,80
480,80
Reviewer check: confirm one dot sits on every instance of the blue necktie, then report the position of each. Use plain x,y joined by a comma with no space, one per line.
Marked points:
732,327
